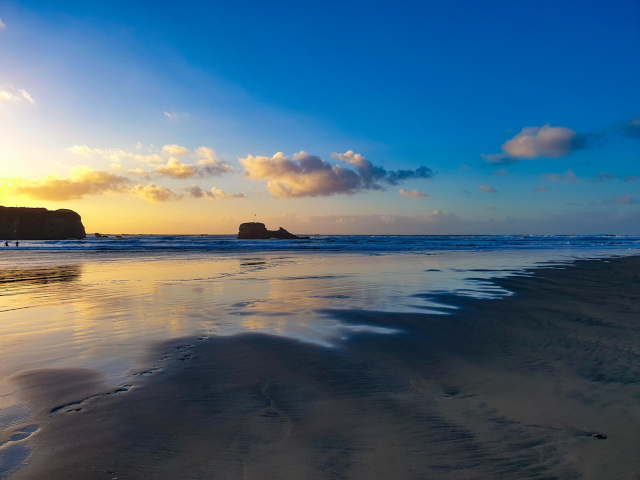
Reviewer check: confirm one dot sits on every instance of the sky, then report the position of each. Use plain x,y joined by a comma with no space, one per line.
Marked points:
462,117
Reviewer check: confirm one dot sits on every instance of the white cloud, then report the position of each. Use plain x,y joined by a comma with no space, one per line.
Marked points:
2,25
502,171
175,116
540,188
10,94
412,193
533,142
115,155
488,189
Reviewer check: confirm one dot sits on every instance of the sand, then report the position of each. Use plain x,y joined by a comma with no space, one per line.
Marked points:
511,388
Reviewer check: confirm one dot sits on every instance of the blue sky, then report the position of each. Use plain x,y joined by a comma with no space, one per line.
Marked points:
403,84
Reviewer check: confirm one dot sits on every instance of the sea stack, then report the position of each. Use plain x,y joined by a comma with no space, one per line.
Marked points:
258,231
22,223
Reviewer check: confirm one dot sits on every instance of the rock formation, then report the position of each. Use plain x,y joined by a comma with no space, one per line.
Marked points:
257,231
39,224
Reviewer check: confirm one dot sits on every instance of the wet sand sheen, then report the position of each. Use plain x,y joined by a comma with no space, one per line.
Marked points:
509,388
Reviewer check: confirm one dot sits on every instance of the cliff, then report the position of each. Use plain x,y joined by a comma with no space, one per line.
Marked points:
257,231
39,224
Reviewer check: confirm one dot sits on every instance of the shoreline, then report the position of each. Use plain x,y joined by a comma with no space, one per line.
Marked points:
503,388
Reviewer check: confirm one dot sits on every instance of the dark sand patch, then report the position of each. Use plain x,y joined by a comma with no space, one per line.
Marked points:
512,388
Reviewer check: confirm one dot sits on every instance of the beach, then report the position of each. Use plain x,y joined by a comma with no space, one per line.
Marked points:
530,374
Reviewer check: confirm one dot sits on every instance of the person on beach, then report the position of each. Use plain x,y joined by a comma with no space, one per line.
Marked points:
17,243
6,243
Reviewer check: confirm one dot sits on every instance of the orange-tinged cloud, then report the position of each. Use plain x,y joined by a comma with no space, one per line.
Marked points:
176,169
303,176
195,191
412,193
82,181
155,194
175,150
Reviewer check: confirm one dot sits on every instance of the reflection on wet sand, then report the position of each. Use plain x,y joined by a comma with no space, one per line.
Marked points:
104,316
540,385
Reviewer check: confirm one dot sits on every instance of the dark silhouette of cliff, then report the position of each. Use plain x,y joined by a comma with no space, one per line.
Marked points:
257,231
39,224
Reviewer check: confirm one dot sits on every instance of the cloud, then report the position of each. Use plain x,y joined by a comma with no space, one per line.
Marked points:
627,199
412,193
533,142
605,177
567,176
176,117
302,176
630,178
209,164
307,175
371,174
2,25
174,150
176,169
10,94
115,155
489,207
195,191
488,189
502,171
555,142
155,194
540,188
82,181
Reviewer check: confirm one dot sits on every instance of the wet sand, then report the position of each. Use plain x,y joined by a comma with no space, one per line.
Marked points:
511,388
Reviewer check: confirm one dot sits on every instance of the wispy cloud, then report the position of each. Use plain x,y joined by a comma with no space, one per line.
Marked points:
627,199
412,193
605,177
487,188
207,165
568,176
9,94
489,207
82,181
155,194
630,178
195,191
502,171
540,188
306,175
174,116
2,25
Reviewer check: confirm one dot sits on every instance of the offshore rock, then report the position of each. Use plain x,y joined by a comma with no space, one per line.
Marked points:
22,223
257,231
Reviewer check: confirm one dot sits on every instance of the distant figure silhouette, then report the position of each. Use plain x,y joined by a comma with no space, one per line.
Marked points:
17,243
6,243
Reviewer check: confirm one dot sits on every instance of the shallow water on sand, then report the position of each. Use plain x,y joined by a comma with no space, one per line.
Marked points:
102,311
